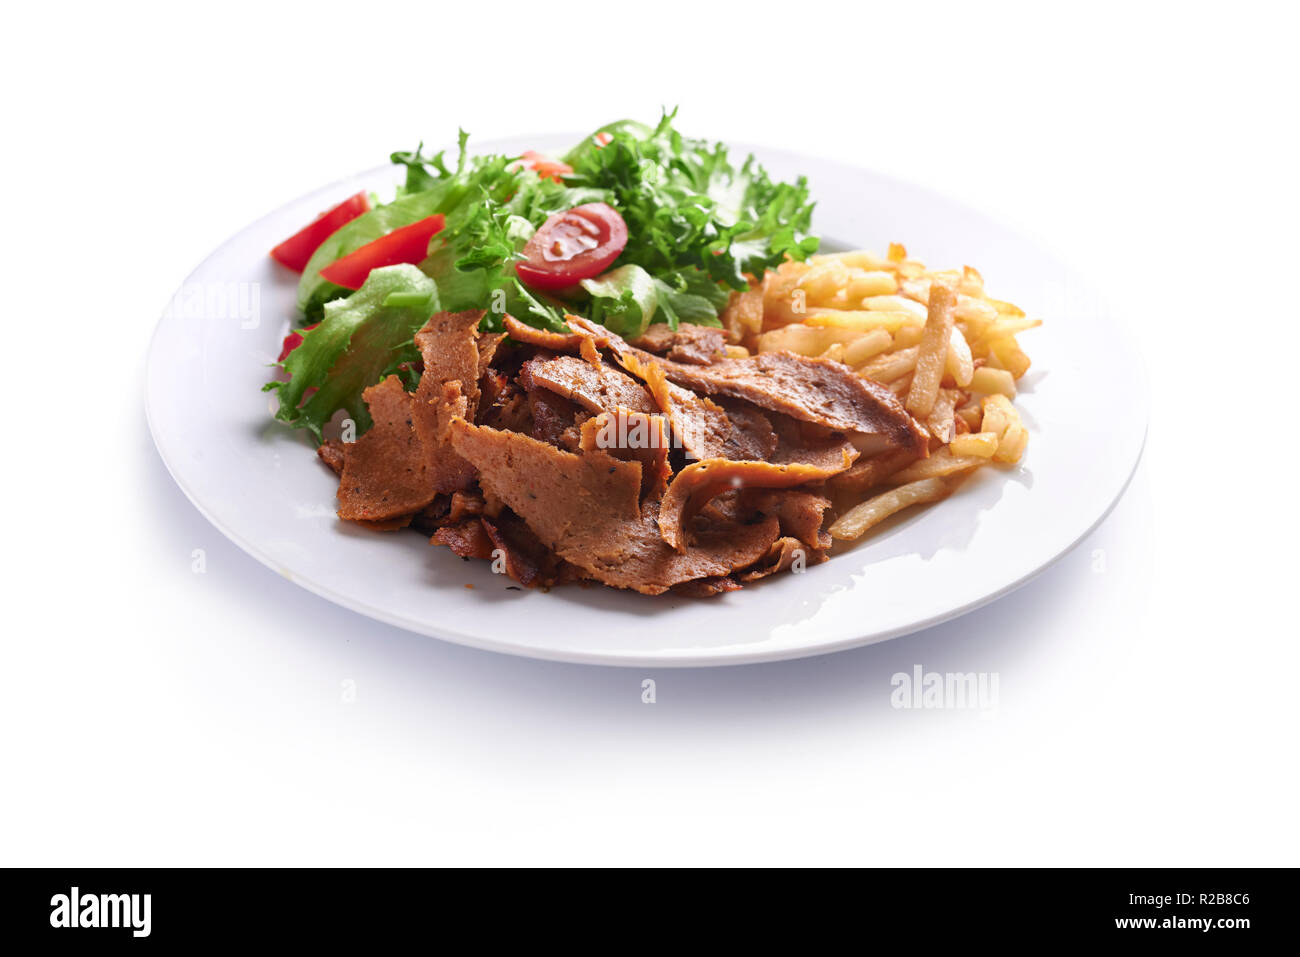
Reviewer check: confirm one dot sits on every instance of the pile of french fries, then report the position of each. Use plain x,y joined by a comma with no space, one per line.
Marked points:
935,338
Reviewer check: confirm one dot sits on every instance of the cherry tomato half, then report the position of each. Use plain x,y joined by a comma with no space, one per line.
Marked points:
295,251
544,166
574,245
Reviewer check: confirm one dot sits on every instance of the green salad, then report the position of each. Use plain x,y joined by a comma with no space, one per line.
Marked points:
635,224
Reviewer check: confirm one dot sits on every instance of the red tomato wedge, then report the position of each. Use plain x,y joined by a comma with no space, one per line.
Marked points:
577,244
543,166
292,341
295,252
410,244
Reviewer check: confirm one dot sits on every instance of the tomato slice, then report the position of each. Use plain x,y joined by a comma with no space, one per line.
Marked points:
293,340
410,244
544,166
576,244
295,252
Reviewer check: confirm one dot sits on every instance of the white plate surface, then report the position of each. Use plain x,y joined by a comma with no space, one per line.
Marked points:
1085,402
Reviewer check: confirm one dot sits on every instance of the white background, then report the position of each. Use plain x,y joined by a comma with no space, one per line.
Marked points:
1148,681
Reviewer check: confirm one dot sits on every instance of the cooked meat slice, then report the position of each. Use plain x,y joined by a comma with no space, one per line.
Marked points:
468,538
509,407
488,343
527,560
544,338
810,444
597,388
800,512
872,471
332,453
705,429
389,471
699,482
552,415
706,587
821,391
586,507
632,437
433,516
464,504
783,555
387,524
698,345
448,343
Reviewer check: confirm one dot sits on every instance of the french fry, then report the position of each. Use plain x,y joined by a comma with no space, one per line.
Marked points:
854,258
942,422
972,415
866,346
989,380
970,309
860,320
890,303
998,414
981,444
874,510
891,365
938,465
737,352
822,282
1009,355
933,351
1004,327
869,284
803,339
1012,445
960,364
909,336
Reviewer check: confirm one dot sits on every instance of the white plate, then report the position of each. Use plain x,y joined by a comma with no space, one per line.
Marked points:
1085,402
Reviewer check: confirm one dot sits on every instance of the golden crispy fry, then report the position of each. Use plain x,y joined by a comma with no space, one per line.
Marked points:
938,465
989,380
981,444
909,336
1009,355
870,284
803,339
888,367
866,346
960,364
823,281
998,414
933,351
1002,328
861,517
970,309
895,304
942,421
861,320
1013,443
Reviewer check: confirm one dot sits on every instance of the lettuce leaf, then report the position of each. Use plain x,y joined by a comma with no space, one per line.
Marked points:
360,340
